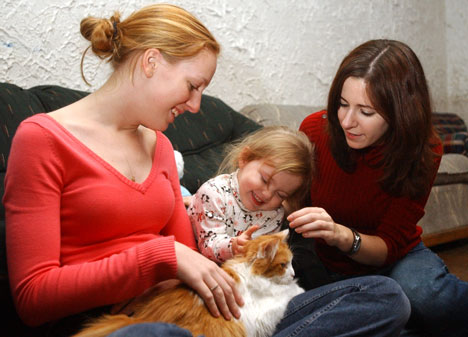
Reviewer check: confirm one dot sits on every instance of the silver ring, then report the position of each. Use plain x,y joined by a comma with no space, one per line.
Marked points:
213,288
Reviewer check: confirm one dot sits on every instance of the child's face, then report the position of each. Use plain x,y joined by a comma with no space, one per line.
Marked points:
261,189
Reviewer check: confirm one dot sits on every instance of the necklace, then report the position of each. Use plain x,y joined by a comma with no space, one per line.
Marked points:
132,175
124,152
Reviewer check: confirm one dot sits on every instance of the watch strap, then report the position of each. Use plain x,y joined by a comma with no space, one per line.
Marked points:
356,243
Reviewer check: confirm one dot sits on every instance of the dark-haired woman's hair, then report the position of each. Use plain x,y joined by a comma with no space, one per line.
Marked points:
398,91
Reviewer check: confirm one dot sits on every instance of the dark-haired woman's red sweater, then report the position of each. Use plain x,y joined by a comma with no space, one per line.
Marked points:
356,200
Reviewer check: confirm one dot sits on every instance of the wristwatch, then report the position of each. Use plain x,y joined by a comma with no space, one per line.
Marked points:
356,243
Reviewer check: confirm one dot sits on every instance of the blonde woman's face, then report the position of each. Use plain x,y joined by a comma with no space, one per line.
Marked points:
361,124
261,189
178,87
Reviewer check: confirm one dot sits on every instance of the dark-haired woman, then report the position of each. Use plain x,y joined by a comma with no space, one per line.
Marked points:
377,157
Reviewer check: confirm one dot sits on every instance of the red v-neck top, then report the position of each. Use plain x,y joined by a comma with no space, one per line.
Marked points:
356,200
79,233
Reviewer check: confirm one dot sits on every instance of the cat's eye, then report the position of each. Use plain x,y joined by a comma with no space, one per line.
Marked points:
283,265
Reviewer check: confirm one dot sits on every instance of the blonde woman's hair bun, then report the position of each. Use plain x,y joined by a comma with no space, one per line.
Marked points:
102,33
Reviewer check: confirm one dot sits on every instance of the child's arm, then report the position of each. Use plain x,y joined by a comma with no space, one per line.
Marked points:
209,223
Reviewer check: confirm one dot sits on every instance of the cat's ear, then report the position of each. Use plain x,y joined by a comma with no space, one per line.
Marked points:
268,249
284,234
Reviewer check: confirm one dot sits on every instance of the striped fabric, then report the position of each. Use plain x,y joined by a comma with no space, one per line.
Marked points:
452,131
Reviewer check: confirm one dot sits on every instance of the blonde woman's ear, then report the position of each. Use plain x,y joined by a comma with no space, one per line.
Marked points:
150,60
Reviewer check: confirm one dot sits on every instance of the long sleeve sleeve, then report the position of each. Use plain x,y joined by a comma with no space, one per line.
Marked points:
79,234
208,217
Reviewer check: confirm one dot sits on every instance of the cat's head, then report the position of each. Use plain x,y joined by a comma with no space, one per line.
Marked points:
270,256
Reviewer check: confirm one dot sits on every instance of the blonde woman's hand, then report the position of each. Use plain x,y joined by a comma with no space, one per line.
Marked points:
315,222
239,242
212,283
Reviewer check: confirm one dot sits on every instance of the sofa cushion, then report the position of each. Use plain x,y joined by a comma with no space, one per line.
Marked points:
446,122
17,103
455,142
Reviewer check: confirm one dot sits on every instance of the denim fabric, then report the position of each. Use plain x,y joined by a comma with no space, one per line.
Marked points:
439,300
363,306
151,330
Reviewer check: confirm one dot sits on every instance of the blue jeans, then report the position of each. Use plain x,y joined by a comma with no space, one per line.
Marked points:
151,330
439,300
365,306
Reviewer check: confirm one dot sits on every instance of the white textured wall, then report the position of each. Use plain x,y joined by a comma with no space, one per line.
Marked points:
273,51
457,56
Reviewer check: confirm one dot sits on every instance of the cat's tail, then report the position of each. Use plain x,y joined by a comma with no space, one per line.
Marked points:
106,324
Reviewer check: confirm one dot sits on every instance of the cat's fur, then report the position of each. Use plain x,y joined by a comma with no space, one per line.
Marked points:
264,278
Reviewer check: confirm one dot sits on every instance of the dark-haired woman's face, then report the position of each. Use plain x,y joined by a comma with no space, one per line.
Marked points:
361,124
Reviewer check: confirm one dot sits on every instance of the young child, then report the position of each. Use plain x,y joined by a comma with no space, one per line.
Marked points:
271,168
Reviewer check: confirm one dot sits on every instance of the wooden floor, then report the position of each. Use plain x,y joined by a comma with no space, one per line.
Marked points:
455,256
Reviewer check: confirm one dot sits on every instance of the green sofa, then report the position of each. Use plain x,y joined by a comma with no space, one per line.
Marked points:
201,138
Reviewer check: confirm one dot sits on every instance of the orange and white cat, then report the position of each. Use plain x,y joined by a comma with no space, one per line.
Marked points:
264,277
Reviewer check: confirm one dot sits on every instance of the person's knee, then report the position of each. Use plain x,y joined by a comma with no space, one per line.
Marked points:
421,289
398,302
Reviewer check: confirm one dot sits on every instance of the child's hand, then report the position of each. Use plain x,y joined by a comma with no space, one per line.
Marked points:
239,242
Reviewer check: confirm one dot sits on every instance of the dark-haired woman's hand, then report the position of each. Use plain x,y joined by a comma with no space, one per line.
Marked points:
315,222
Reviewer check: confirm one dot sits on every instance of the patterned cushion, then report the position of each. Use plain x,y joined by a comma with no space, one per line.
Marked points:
452,131
445,122
455,142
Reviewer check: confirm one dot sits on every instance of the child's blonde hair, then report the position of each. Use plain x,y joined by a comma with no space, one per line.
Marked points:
280,147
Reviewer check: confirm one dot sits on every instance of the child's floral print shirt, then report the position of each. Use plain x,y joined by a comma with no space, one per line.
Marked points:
218,215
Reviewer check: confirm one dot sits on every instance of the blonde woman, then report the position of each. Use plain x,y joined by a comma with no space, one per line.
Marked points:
96,217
